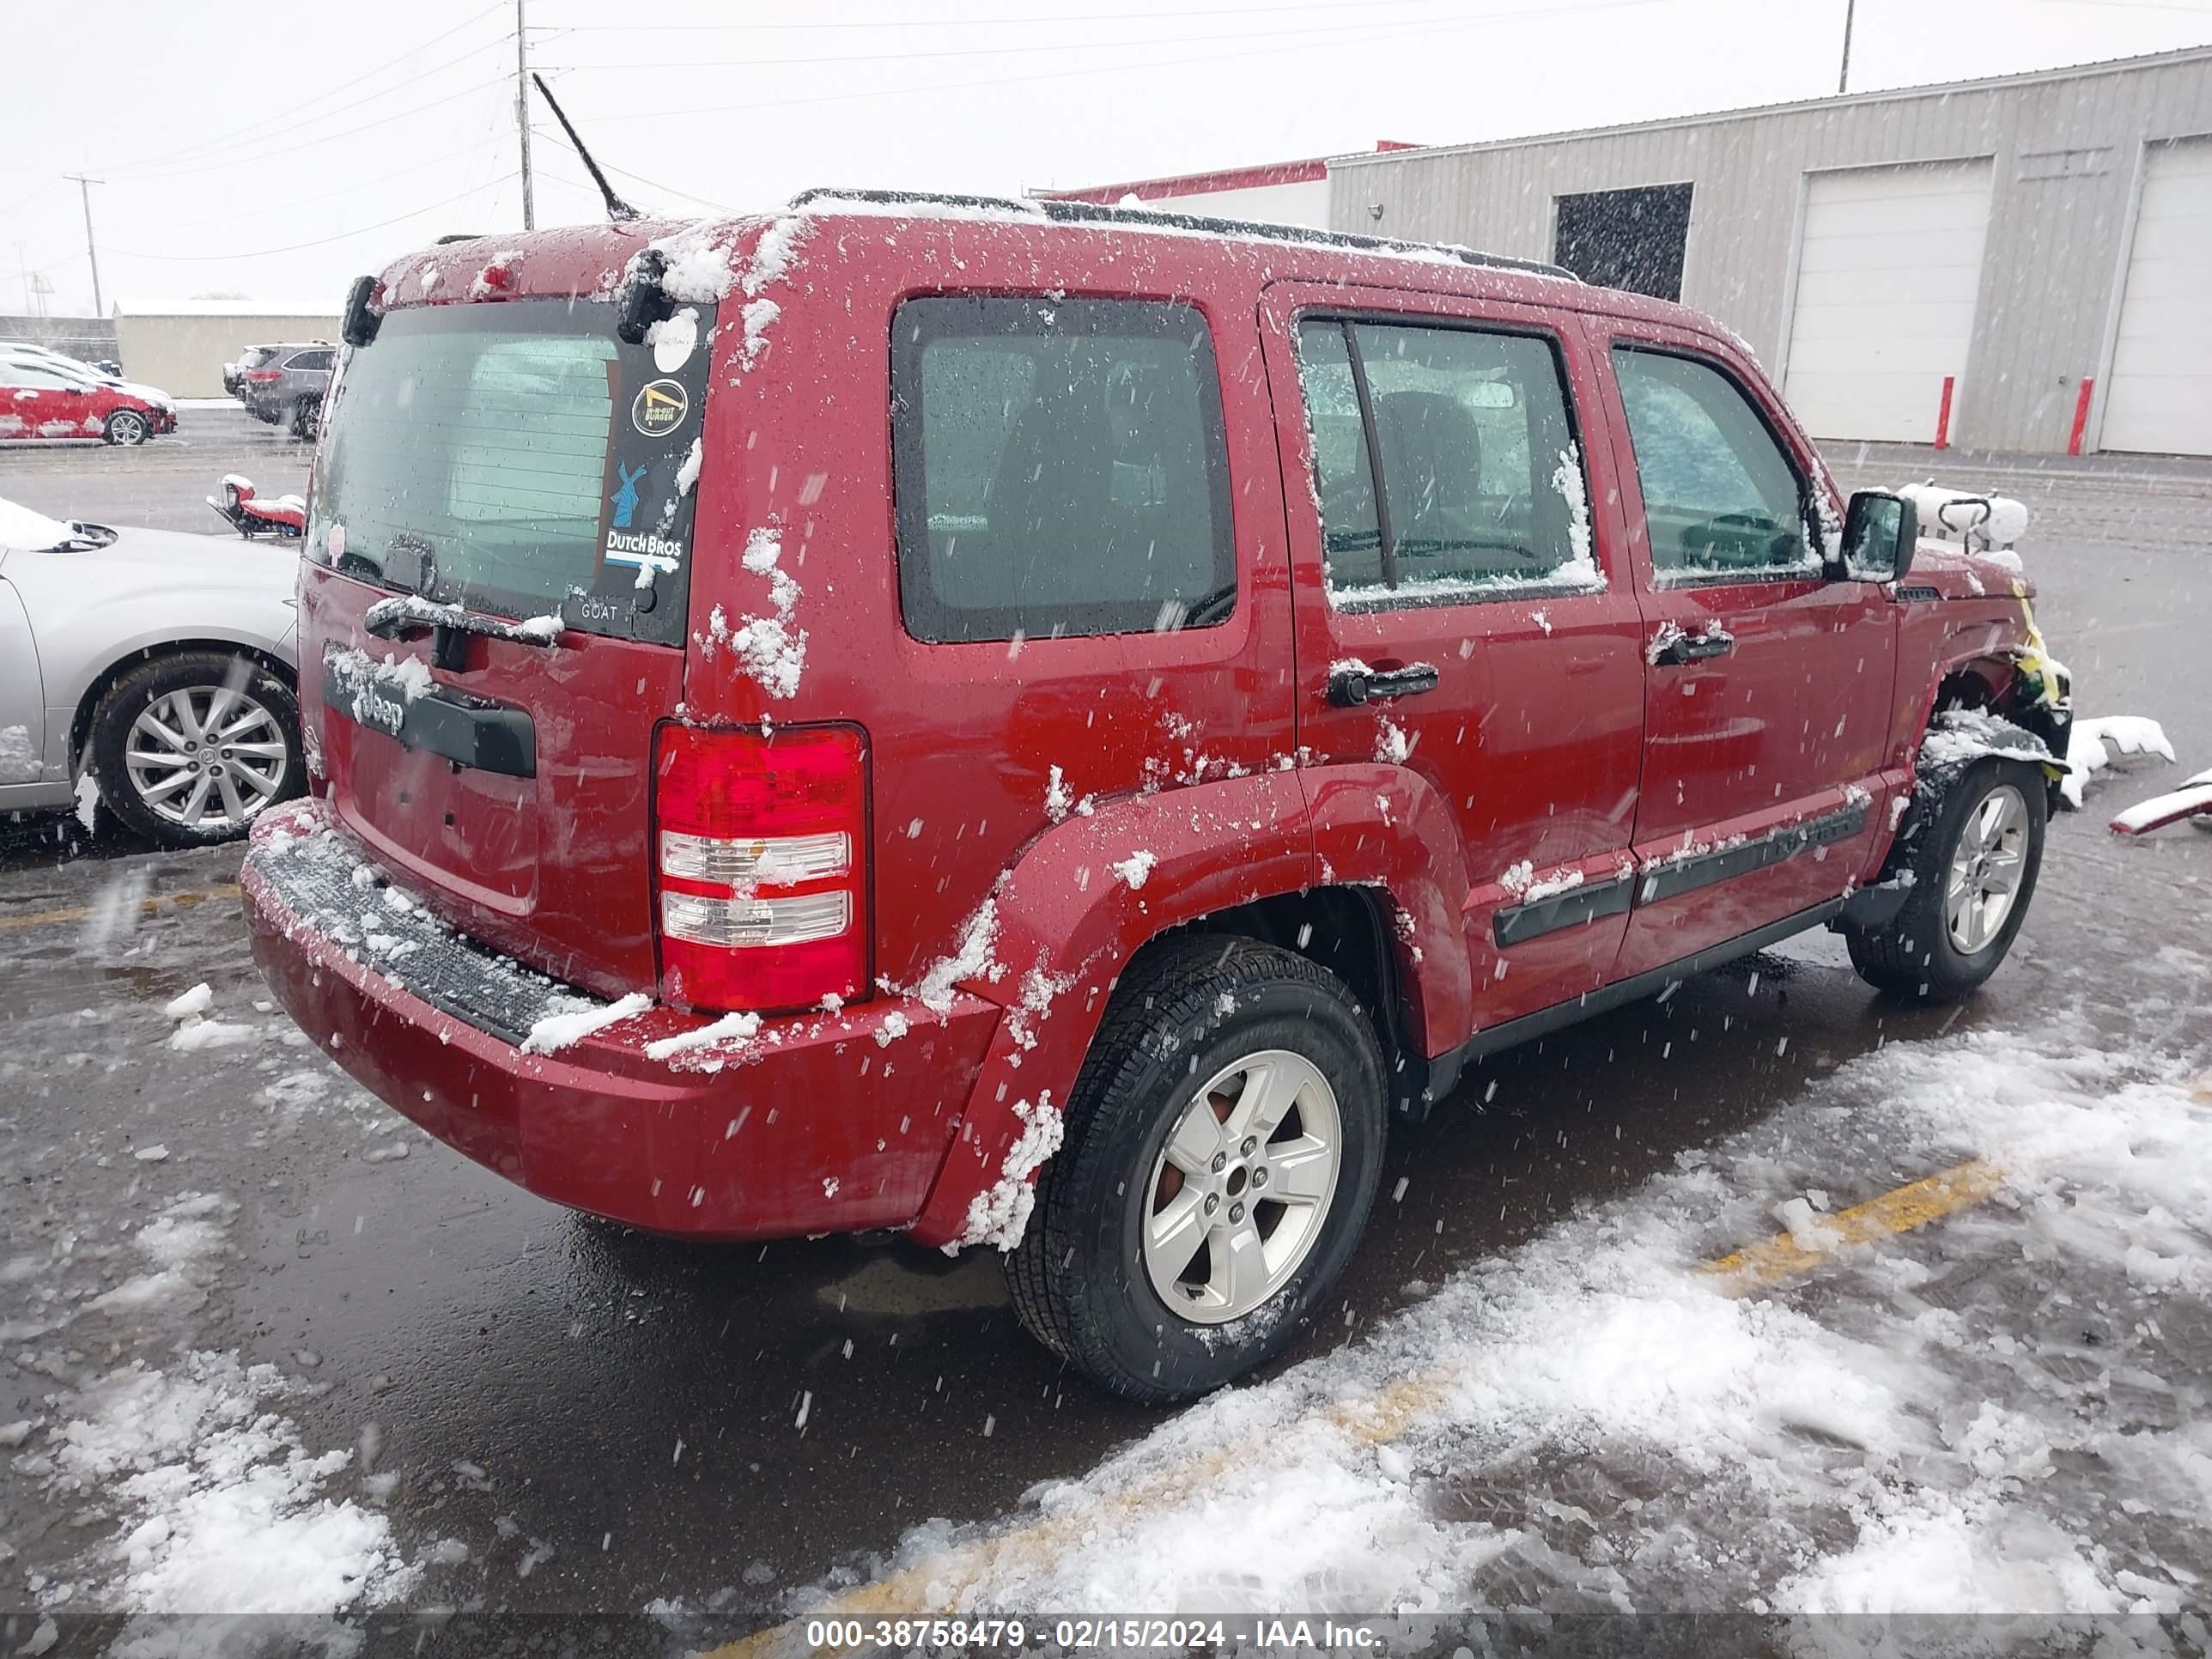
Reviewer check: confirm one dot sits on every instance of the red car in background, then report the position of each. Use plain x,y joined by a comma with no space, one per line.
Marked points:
40,401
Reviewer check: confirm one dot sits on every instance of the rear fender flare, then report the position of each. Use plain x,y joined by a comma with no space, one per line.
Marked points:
1065,934
1376,824
1079,901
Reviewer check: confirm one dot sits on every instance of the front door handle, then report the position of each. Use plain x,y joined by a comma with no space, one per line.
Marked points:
1681,647
1353,683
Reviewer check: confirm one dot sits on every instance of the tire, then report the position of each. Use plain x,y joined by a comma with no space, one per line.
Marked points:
155,785
1924,954
126,429
1200,1013
308,419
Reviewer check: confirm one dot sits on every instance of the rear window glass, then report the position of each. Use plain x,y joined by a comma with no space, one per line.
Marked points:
1060,469
1483,494
514,459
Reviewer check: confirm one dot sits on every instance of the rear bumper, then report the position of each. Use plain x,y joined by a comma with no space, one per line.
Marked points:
813,1126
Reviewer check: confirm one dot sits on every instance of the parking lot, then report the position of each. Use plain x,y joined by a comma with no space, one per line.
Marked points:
548,1413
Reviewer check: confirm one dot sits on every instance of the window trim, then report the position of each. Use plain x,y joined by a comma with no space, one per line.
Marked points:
909,490
1817,569
1368,601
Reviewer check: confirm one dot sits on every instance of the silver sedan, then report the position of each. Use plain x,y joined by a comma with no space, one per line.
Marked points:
153,666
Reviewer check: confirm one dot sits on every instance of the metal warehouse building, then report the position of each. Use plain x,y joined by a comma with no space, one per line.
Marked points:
2022,264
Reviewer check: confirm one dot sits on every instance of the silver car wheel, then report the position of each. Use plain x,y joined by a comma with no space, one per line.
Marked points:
1238,1195
126,429
206,756
1986,867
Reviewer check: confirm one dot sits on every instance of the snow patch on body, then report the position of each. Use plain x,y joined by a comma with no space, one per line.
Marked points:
770,649
569,1019
1001,1214
1136,869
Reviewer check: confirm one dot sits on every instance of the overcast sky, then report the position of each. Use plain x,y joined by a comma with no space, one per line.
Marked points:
274,148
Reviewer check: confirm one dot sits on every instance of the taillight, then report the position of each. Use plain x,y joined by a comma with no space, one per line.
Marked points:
263,376
760,851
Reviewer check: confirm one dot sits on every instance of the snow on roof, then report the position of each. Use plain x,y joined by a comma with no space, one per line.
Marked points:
308,310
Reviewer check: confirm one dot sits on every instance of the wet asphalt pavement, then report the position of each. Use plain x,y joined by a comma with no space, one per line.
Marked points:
719,1423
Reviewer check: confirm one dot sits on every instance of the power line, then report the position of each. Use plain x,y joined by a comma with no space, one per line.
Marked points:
990,52
557,140
292,149
320,241
1031,20
222,141
1391,32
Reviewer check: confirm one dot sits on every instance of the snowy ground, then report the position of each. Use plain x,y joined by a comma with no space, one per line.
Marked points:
266,1352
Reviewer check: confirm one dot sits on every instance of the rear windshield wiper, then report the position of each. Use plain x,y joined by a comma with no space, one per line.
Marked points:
405,616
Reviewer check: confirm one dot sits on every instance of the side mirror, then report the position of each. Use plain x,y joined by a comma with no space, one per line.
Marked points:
1879,532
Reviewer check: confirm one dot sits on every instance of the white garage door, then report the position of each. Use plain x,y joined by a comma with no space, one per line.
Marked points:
1885,307
2159,395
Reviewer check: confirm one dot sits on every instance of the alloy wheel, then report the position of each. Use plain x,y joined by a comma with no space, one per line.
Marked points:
1986,867
126,429
206,756
1238,1195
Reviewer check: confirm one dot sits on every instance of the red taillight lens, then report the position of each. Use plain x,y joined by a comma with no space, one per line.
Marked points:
263,376
760,849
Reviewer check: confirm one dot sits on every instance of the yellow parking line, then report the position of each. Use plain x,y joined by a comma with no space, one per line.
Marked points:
158,902
936,1587
1900,1211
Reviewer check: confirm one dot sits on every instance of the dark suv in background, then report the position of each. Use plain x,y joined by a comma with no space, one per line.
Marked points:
284,383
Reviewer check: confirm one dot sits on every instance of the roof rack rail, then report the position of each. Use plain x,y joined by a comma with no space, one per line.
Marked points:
927,197
1069,212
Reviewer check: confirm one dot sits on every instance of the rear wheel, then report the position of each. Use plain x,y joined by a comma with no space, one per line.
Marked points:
1222,1151
127,427
189,749
1972,859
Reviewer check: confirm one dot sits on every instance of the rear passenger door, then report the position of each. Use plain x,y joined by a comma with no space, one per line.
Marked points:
1769,672
1481,606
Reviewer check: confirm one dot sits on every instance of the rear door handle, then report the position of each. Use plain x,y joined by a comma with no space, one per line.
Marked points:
1687,647
1350,683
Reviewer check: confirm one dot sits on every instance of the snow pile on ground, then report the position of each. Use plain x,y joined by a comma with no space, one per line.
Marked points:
182,1243
225,1509
2092,745
194,1029
1590,1423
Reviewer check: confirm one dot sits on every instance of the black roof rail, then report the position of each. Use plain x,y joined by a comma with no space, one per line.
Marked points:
1070,212
920,197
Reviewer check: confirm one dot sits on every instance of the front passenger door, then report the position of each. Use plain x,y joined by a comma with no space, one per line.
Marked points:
1768,673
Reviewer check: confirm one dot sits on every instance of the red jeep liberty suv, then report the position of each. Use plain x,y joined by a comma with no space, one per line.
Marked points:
1045,725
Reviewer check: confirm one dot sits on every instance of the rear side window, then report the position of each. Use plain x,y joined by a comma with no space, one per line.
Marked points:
1720,499
311,359
1060,469
1483,492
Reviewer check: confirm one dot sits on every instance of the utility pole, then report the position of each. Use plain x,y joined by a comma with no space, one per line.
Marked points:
522,113
1843,80
91,247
